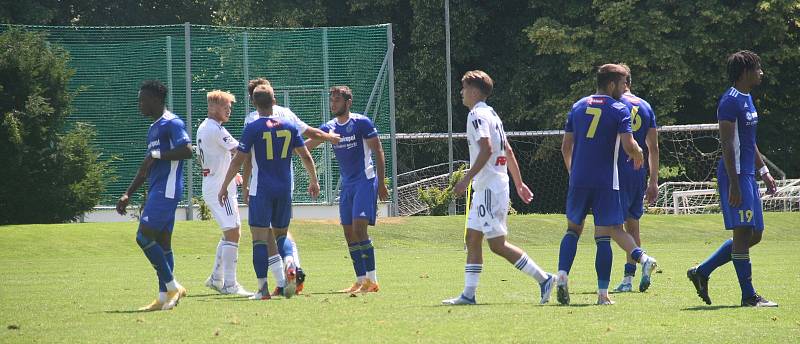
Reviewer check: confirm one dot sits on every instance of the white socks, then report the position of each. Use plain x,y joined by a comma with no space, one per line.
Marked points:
373,276
529,267
230,255
216,273
278,270
472,274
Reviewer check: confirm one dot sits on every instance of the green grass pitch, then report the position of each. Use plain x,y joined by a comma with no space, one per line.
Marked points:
82,282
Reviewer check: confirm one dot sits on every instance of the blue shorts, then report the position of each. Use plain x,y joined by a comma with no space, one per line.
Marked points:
359,201
749,213
159,214
604,203
631,195
270,209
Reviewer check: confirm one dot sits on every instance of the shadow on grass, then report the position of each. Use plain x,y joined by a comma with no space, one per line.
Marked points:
709,308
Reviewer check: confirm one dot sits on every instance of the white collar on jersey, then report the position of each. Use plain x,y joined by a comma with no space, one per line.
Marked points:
214,121
740,92
164,115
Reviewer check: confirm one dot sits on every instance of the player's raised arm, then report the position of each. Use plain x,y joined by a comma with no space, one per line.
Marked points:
375,146
763,170
653,164
308,164
483,156
137,182
321,136
523,191
313,143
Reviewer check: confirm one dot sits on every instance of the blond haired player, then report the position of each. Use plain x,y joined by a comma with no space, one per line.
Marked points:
214,147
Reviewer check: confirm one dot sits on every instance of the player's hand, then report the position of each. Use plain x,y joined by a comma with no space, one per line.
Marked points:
122,204
772,187
734,194
246,196
638,161
238,179
223,195
525,193
383,192
334,138
313,190
460,188
651,193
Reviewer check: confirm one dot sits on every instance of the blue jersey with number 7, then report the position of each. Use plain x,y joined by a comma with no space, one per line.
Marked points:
596,122
270,142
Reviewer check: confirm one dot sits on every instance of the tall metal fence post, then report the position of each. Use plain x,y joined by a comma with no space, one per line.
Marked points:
169,73
395,211
187,44
246,63
327,152
451,209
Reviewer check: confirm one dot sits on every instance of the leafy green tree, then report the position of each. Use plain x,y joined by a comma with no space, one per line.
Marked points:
48,176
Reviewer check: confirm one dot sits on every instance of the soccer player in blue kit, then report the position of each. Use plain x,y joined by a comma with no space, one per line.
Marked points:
739,195
267,142
595,128
634,184
168,145
362,183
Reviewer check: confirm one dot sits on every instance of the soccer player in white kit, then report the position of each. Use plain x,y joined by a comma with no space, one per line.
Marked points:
489,154
214,147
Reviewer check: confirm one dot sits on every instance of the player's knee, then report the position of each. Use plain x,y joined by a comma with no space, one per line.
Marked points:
755,239
232,235
143,241
497,247
576,232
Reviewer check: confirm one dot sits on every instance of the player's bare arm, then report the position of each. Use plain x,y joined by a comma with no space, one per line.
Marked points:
632,149
313,143
179,153
523,191
316,134
308,163
233,169
765,175
653,164
374,144
726,134
483,156
138,180
567,144
247,171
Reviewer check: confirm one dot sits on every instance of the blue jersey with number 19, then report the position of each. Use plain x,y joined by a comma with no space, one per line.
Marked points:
272,141
596,122
738,107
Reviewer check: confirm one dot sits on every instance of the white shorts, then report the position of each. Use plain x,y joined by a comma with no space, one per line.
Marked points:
227,215
488,212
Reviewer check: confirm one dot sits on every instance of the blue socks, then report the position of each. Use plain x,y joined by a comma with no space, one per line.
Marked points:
162,285
741,261
368,255
719,258
602,261
285,246
566,254
155,254
358,260
260,258
630,269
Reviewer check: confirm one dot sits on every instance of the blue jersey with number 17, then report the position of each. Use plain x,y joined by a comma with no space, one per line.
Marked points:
272,141
596,122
